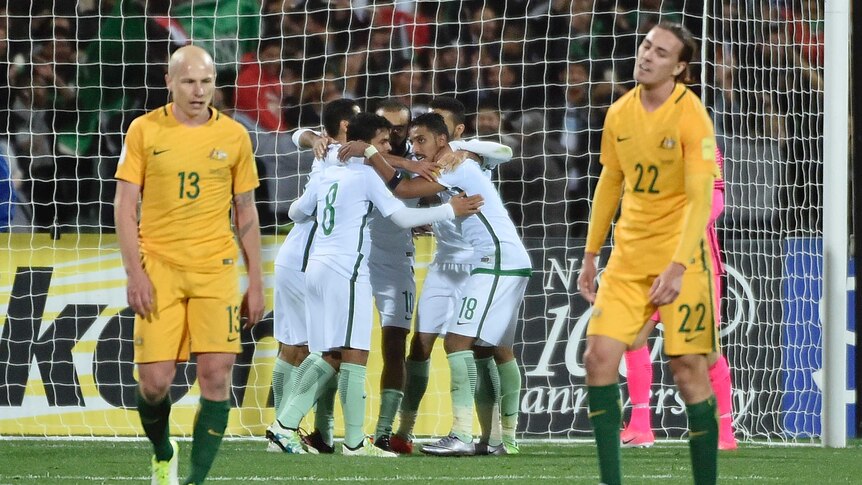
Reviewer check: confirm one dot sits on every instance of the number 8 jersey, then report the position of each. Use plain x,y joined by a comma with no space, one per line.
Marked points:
343,196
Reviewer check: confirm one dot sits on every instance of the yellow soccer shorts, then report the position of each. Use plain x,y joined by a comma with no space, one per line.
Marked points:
193,313
622,307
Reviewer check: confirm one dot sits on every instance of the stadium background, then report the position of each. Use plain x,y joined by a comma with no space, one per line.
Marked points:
537,75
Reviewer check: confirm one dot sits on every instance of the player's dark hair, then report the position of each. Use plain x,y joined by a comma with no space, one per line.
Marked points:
365,126
433,122
393,105
689,47
452,105
336,111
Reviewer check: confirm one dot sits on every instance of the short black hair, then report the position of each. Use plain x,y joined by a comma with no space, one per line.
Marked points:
433,121
365,126
336,111
452,105
393,105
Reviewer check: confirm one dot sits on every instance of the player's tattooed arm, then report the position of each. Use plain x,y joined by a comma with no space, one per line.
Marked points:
248,233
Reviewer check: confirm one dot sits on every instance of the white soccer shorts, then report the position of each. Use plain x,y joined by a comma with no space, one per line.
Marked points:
339,312
289,325
441,295
394,290
489,308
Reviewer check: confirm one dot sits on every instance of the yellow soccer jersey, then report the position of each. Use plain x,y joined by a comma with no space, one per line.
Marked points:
188,177
655,152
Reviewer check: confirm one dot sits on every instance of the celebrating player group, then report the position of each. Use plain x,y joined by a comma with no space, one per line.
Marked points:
351,251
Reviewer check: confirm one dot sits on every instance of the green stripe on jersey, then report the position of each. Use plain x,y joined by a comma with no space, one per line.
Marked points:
497,250
308,242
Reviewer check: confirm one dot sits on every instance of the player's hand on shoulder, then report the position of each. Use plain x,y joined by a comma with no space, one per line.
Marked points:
139,294
253,305
666,287
427,169
587,278
352,149
464,205
321,144
451,160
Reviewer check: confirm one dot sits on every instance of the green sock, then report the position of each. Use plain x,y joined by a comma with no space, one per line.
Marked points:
463,388
390,400
414,388
324,413
210,424
510,397
487,395
606,417
351,388
313,375
282,383
154,419
703,440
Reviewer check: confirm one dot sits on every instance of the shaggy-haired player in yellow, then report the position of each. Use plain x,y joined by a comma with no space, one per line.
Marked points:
658,150
189,165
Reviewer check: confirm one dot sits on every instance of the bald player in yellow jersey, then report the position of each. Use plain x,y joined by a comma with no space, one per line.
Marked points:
658,149
190,166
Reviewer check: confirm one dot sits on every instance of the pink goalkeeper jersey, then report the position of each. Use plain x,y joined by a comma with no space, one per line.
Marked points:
717,209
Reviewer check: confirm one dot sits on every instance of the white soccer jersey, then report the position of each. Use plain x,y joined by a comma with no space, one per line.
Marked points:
452,247
296,248
389,242
344,196
491,233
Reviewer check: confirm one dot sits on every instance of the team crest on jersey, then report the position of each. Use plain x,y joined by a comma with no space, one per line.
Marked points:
217,154
668,143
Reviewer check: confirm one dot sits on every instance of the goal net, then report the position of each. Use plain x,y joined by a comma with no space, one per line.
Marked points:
538,76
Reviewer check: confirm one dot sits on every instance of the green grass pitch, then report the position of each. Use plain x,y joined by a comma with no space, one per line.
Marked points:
243,461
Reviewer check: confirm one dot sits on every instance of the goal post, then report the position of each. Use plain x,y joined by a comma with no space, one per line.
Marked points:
836,178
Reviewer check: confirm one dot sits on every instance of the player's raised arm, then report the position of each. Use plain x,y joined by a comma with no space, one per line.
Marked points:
490,153
248,234
401,187
309,139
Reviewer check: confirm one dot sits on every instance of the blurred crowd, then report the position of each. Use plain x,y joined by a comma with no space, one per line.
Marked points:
537,75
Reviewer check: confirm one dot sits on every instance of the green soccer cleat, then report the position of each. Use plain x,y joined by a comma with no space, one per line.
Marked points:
165,472
510,446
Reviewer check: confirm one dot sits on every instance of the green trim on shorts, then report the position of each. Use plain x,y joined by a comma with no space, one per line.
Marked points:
488,304
524,272
352,299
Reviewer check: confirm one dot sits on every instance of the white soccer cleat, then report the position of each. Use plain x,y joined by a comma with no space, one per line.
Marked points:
449,446
287,440
367,449
165,472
